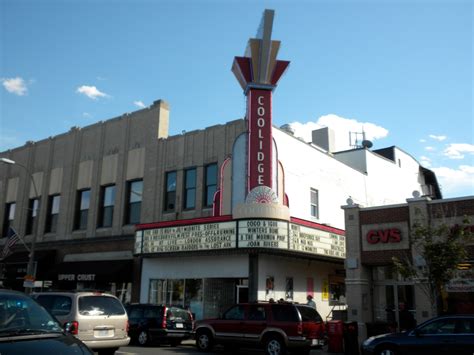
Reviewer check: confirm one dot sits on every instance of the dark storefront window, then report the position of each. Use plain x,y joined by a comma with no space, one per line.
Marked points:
32,218
170,191
210,187
9,217
135,195
189,189
53,214
106,209
82,209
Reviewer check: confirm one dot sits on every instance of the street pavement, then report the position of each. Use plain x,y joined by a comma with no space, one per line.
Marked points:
188,347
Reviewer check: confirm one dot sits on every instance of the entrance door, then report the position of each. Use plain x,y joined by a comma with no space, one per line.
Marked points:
395,304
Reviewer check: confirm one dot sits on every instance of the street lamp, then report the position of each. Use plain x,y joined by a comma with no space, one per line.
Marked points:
31,261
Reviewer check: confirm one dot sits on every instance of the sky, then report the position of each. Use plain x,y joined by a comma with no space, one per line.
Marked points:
401,71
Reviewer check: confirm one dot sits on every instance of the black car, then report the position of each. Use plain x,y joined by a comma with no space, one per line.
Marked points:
452,334
28,328
151,323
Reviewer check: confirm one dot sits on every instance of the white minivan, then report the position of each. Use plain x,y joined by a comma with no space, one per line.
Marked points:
98,319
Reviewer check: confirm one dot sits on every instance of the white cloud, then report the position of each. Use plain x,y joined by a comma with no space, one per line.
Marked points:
456,182
422,140
91,92
139,103
15,86
430,149
437,138
86,115
457,150
425,161
341,127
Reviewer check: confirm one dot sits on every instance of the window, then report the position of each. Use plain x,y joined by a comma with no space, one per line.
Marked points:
314,203
32,218
106,209
53,213
170,193
135,194
82,209
189,189
9,217
235,313
210,187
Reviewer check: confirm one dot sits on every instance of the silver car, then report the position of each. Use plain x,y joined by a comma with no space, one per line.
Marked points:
97,319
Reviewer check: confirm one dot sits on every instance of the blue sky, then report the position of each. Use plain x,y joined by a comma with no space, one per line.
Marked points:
400,70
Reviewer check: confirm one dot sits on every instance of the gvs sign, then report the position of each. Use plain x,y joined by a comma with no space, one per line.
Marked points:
389,235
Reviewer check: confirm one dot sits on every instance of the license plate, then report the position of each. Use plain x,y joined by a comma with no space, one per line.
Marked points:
315,342
179,325
103,332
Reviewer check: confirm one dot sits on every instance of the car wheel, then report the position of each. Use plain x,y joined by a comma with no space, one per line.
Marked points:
143,338
386,350
275,346
204,341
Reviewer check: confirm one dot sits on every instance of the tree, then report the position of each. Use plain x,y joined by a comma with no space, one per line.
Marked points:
437,251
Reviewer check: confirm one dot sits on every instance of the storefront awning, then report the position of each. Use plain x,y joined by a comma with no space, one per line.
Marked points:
110,270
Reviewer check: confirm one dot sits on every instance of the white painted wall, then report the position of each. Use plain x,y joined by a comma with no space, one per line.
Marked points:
220,266
371,181
281,268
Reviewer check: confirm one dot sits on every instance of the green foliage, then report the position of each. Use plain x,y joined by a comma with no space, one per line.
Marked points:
442,248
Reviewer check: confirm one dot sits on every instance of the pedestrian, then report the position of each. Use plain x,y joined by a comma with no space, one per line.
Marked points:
310,302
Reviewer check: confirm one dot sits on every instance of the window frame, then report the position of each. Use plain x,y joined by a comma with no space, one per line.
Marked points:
32,215
52,213
104,208
81,214
314,205
9,217
208,185
191,189
170,194
132,205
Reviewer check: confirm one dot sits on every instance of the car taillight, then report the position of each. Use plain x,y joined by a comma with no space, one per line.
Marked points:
299,328
163,324
72,327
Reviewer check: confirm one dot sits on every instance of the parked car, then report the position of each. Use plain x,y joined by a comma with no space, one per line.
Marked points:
98,319
157,323
27,328
275,327
441,335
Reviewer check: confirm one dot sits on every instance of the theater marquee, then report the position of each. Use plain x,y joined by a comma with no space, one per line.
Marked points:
241,234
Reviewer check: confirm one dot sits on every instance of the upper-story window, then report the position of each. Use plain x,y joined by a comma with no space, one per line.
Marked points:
82,209
52,214
106,208
9,217
210,184
170,191
189,189
314,203
32,218
134,201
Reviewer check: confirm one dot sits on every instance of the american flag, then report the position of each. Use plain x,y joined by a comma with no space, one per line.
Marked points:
11,239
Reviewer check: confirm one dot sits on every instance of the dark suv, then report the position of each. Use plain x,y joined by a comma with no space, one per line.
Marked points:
275,327
161,324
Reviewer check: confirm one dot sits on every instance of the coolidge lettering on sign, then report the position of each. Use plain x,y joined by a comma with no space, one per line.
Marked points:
260,138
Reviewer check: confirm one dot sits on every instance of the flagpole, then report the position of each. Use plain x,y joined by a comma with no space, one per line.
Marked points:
30,270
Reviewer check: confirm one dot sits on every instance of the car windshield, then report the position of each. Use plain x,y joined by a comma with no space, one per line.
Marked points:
19,315
96,305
